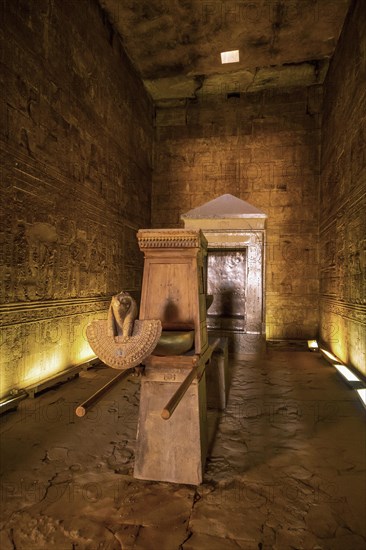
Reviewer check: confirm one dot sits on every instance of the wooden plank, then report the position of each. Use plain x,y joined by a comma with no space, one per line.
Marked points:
82,409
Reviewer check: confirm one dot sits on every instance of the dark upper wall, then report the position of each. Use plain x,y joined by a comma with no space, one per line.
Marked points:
263,148
343,195
76,140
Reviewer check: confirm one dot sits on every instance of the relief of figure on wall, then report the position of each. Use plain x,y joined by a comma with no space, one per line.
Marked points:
78,258
42,239
61,259
97,269
355,274
34,257
20,262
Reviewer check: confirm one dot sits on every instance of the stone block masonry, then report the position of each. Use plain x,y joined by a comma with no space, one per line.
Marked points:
343,196
76,155
264,148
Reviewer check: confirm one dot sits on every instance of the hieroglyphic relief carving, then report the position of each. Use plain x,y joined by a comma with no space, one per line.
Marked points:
342,204
38,349
343,328
48,258
49,264
29,312
72,177
342,258
338,307
54,263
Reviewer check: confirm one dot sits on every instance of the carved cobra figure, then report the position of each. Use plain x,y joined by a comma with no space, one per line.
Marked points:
122,342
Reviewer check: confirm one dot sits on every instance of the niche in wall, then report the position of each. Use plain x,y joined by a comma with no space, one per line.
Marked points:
226,283
235,232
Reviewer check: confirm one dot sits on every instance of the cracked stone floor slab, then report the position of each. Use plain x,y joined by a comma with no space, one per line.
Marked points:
286,467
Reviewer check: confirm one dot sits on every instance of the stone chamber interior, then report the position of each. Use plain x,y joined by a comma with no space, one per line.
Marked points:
117,116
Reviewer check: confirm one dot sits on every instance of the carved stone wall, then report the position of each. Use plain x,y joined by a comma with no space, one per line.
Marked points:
263,148
343,196
76,156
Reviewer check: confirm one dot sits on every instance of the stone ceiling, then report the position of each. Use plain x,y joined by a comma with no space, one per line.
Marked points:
175,44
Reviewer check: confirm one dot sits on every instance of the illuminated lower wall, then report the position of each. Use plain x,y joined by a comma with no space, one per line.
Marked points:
76,145
35,350
343,196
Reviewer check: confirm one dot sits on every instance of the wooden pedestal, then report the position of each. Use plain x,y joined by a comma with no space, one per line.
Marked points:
175,449
173,284
173,291
217,376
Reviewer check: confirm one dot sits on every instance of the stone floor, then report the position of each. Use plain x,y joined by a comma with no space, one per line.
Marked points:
286,468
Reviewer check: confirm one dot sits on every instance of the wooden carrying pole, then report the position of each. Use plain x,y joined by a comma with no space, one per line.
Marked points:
178,395
82,409
195,372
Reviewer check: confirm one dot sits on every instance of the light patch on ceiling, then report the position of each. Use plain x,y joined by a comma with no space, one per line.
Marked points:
230,57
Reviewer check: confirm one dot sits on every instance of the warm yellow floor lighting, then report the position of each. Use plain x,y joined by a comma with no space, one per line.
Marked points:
313,345
329,355
346,373
362,396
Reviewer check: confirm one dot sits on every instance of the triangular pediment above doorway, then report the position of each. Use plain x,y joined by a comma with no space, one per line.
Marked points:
226,206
